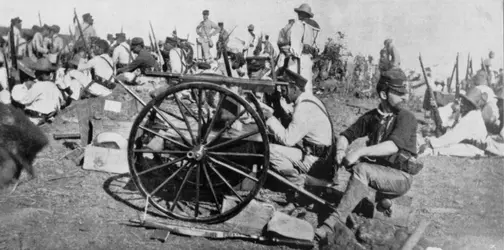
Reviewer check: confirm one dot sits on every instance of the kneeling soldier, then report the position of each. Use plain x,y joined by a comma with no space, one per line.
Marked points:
388,161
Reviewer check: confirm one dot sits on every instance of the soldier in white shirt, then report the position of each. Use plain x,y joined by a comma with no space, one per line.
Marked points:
304,33
103,68
310,127
251,42
206,29
41,98
122,54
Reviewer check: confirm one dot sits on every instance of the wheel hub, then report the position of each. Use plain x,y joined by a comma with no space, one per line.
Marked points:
197,153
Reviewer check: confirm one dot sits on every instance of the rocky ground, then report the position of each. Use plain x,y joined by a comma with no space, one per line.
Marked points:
70,208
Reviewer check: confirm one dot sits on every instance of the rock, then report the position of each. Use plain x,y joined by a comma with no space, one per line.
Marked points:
375,232
341,238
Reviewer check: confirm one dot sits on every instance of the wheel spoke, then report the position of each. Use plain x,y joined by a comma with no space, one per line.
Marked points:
188,110
162,165
164,137
233,168
196,209
228,126
234,140
185,119
236,154
217,110
226,182
173,127
158,151
175,201
211,187
170,113
168,179
200,116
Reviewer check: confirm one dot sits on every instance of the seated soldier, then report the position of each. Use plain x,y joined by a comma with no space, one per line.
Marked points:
388,162
41,98
144,61
469,135
307,141
101,64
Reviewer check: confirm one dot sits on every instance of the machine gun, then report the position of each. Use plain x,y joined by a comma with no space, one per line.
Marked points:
437,118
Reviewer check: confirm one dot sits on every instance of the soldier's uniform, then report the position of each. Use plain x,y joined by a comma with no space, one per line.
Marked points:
122,54
87,29
310,128
303,47
16,33
205,33
390,175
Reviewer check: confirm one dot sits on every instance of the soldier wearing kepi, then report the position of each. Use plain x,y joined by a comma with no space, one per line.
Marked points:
388,162
87,28
206,30
304,33
310,127
144,61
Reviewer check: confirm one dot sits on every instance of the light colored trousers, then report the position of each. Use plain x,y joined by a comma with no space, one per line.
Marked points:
205,47
289,162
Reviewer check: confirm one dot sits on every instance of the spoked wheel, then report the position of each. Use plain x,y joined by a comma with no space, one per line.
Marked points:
199,152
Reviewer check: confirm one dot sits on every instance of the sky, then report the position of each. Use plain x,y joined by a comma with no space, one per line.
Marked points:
437,29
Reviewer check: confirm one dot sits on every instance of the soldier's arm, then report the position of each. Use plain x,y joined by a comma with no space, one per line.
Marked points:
135,64
296,130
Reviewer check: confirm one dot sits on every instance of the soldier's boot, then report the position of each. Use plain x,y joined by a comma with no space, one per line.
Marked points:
355,192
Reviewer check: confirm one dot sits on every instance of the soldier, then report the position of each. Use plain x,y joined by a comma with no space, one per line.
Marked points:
222,41
41,98
205,33
268,47
388,162
17,23
392,54
143,61
87,28
122,53
111,40
251,42
38,45
487,66
57,41
310,127
303,44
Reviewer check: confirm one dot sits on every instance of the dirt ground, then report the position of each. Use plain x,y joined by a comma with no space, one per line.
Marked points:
66,207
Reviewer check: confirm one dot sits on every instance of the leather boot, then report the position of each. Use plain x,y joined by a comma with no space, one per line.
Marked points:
355,192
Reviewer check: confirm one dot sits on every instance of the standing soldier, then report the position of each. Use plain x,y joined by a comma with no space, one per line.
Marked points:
251,42
16,23
87,28
38,45
268,47
57,41
122,55
304,33
222,41
205,33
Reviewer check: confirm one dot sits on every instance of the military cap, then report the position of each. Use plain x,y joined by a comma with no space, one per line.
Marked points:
120,35
102,44
55,28
86,16
304,8
292,20
46,27
16,20
28,34
295,78
206,12
394,80
251,27
387,41
137,41
475,97
220,23
36,28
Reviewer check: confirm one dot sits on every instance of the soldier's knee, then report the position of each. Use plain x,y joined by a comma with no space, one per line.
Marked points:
360,171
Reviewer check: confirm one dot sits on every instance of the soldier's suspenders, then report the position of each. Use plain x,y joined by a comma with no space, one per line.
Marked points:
129,52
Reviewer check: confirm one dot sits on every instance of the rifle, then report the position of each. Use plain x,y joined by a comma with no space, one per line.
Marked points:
457,83
14,76
451,78
160,56
468,66
39,19
88,51
435,111
150,39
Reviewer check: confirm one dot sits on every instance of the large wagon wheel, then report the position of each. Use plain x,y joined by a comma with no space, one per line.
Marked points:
202,168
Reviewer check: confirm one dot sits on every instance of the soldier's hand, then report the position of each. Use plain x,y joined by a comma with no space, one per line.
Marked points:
340,154
351,158
267,113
